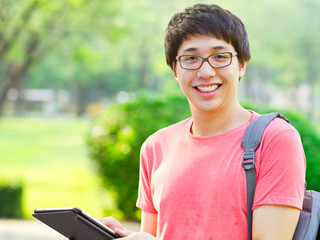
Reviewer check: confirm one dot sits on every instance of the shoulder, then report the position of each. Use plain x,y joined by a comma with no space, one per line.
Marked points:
281,137
276,127
168,133
153,149
279,127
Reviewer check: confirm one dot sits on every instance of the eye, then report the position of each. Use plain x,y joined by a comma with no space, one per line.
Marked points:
189,58
221,57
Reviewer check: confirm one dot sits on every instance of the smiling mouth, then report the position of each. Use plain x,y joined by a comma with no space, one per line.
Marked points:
206,89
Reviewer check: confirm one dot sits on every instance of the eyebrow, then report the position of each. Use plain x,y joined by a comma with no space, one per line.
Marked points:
193,49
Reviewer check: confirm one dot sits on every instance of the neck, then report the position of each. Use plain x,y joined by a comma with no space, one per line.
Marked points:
216,122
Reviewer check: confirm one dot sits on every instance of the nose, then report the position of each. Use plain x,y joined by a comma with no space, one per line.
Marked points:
206,71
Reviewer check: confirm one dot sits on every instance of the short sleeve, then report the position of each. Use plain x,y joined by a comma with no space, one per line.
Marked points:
280,176
145,202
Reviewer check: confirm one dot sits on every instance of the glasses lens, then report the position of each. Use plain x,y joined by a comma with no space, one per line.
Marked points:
190,61
220,59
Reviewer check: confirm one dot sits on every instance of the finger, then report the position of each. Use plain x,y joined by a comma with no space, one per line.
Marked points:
111,223
139,236
122,232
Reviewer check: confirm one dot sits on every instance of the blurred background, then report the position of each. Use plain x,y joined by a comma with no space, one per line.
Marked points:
84,82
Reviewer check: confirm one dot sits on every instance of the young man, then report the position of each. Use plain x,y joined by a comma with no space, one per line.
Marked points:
192,183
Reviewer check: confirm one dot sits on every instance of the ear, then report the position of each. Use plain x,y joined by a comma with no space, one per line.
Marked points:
174,71
242,69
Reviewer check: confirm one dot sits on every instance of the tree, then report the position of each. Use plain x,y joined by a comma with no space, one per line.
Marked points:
30,29
285,51
12,72
109,46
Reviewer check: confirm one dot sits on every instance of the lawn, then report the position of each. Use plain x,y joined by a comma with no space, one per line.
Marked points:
49,157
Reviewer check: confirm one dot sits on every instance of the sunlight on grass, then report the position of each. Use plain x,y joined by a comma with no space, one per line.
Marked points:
49,157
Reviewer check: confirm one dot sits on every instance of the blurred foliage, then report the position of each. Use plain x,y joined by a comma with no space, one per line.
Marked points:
96,48
117,134
116,137
33,30
10,199
310,137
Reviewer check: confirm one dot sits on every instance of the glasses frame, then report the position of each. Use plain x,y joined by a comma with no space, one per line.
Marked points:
233,54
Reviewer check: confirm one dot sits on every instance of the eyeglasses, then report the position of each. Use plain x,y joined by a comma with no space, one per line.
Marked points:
217,60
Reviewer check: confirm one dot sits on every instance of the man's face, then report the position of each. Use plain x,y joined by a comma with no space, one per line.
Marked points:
208,88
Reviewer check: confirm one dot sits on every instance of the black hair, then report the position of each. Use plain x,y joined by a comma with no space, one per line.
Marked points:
208,20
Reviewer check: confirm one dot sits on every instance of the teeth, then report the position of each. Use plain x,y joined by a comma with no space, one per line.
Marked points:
207,88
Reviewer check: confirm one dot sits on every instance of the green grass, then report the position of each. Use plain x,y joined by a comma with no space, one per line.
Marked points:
49,157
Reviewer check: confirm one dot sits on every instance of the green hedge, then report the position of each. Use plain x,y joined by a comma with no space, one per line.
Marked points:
311,143
116,137
11,200
117,134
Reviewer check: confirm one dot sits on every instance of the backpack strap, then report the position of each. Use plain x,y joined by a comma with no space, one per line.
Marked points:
250,142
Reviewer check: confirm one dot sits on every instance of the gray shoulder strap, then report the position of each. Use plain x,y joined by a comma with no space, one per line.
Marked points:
250,142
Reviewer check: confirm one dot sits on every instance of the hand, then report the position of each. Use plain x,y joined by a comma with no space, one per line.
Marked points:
139,236
115,225
111,222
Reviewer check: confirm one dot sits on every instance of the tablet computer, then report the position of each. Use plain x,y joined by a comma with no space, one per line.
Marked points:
74,224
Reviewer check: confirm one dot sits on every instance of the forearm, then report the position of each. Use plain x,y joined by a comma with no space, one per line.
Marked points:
149,223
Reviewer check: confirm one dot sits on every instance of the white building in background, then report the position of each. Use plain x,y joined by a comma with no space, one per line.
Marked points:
46,102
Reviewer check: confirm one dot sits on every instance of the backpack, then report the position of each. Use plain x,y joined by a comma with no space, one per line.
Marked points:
309,220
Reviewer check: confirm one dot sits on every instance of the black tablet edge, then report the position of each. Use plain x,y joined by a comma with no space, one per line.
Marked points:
80,213
88,223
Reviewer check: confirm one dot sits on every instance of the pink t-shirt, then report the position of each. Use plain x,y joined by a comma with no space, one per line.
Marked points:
197,185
